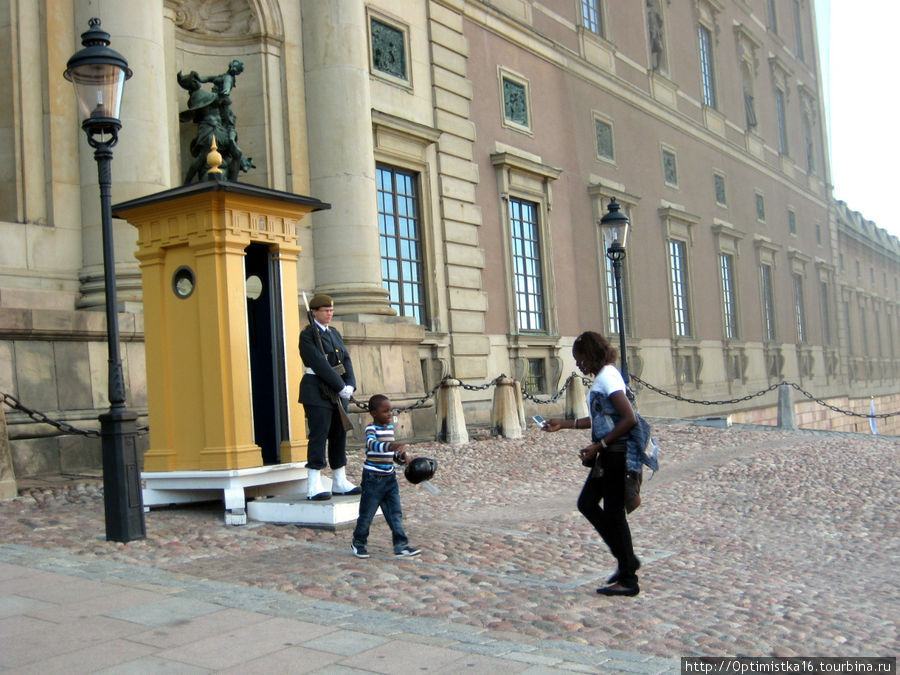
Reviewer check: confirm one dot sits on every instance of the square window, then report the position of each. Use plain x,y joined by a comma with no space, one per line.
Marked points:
760,208
719,182
388,49
604,140
670,168
515,102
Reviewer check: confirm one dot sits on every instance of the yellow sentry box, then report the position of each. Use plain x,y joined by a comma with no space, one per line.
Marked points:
219,271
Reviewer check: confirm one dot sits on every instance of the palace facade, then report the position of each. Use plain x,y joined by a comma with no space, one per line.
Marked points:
469,149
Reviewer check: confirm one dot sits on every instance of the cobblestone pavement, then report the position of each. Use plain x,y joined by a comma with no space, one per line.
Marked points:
753,541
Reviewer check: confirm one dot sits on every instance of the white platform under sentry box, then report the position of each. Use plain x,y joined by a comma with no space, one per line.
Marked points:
336,513
270,494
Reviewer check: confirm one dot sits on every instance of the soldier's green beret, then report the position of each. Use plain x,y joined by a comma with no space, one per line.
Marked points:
321,300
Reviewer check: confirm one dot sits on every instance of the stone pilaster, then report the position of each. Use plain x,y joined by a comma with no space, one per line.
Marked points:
341,156
458,177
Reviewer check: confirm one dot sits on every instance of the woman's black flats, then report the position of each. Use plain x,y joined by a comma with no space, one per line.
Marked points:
620,590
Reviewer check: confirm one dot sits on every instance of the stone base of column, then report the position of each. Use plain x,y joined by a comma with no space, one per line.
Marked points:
129,293
359,299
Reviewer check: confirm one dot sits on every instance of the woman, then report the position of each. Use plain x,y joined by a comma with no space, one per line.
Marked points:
611,419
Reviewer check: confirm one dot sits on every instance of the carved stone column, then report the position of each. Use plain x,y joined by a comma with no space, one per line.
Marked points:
342,159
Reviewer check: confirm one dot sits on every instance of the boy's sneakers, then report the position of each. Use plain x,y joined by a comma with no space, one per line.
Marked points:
407,552
359,551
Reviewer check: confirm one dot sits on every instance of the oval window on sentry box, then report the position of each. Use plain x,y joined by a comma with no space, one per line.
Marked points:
183,282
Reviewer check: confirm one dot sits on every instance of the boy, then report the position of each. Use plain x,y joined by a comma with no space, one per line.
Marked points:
379,482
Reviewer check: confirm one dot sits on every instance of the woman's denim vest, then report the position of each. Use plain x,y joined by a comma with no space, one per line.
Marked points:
641,449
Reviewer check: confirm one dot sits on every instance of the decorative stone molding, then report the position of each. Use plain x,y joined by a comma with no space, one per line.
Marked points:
214,17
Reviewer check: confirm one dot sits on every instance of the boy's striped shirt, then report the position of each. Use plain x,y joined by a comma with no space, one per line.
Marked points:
379,456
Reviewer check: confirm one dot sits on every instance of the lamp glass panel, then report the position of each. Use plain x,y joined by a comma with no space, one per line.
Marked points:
613,233
99,88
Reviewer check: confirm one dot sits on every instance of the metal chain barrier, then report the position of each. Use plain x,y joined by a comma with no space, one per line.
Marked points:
760,393
880,416
555,397
699,402
65,427
42,418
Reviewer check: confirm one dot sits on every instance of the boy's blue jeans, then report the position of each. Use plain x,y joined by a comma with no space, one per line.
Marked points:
380,490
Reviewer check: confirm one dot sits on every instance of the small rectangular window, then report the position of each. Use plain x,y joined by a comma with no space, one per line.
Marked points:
719,184
388,49
760,208
536,378
670,168
818,234
604,140
792,223
515,101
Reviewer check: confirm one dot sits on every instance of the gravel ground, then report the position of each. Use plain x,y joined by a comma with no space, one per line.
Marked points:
753,541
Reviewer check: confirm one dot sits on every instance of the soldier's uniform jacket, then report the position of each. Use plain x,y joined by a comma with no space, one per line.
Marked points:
323,366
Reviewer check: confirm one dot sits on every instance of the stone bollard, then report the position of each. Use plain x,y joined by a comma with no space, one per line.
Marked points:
786,418
520,405
8,487
576,399
451,424
505,413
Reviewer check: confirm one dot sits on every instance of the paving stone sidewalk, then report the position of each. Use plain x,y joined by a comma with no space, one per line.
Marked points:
753,541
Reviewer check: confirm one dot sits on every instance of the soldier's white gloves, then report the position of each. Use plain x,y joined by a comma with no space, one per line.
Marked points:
346,392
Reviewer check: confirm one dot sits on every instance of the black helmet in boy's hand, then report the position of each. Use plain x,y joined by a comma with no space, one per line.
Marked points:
420,469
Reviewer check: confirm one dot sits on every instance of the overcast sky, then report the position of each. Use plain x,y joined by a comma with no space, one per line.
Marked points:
858,56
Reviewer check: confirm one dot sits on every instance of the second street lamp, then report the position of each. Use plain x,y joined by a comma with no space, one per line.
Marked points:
99,75
614,226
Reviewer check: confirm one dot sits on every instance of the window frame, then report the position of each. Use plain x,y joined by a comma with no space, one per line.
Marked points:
596,7
670,151
522,178
728,280
382,18
782,121
708,89
718,176
505,74
599,118
527,266
800,329
401,304
679,287
767,295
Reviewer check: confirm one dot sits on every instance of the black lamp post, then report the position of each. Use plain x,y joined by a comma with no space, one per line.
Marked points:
99,75
614,225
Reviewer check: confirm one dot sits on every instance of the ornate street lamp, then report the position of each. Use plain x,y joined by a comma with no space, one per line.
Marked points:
99,75
614,226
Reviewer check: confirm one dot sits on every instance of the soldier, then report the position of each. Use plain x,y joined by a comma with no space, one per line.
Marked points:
327,383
